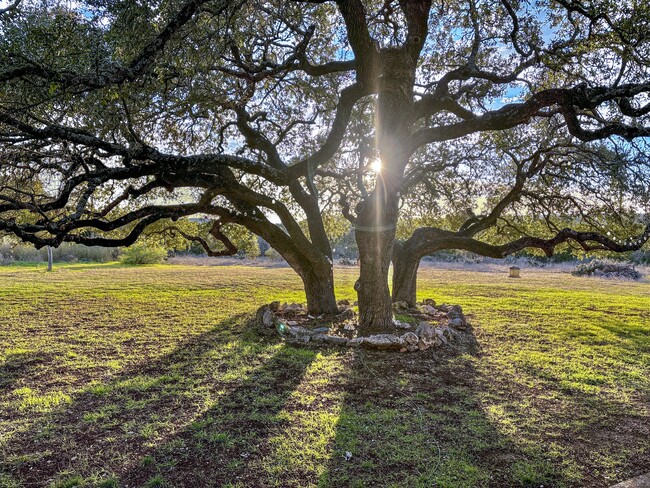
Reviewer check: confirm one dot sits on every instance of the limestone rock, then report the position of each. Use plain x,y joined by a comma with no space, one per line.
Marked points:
441,336
456,317
427,337
430,302
400,307
320,330
297,330
356,342
424,329
429,309
409,341
330,339
446,334
401,325
349,326
300,334
265,316
382,341
320,337
449,332
456,323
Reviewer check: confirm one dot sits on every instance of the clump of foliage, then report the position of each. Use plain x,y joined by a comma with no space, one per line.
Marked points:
12,251
609,269
640,257
244,240
144,254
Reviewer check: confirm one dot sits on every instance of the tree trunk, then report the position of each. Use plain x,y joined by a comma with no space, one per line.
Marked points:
377,214
312,265
319,289
317,280
407,257
375,306
405,272
375,236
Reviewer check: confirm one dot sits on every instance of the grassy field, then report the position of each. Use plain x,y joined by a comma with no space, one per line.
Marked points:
114,376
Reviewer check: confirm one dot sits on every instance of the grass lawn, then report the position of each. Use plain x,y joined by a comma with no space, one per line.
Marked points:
115,376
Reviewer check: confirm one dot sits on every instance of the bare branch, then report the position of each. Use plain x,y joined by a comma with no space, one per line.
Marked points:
215,231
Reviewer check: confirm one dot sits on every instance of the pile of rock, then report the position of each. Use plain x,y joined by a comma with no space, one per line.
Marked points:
428,326
606,269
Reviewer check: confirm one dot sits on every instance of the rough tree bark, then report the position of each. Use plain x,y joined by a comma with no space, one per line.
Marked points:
375,234
377,215
319,290
405,271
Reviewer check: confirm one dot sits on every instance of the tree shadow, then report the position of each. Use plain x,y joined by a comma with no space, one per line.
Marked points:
219,447
217,393
417,420
19,364
210,413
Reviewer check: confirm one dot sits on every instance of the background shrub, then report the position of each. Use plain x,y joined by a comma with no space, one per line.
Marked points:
12,251
144,254
599,267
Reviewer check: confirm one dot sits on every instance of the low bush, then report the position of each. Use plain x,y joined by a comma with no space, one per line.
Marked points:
25,252
144,254
606,269
6,254
640,257
69,252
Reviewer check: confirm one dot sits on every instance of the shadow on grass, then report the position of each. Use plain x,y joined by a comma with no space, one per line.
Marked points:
208,403
219,447
19,365
415,420
213,413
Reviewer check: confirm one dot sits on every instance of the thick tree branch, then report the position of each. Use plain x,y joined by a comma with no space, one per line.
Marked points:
515,114
365,52
140,152
428,240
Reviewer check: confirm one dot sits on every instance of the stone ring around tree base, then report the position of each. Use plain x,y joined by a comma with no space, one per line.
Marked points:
426,326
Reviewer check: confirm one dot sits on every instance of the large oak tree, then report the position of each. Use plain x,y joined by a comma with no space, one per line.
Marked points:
261,113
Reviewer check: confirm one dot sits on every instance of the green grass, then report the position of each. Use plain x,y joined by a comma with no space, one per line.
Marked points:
151,376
